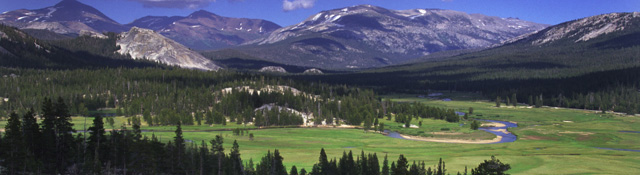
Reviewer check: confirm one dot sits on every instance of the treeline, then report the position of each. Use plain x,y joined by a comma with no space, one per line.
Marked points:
406,111
615,90
50,147
190,97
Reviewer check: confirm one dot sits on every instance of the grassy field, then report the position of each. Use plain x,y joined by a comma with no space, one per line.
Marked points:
550,140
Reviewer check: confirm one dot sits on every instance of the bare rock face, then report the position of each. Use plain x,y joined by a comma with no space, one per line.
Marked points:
585,29
3,35
369,36
276,69
146,44
92,34
313,71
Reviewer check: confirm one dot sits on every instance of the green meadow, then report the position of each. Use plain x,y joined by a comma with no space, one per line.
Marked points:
550,140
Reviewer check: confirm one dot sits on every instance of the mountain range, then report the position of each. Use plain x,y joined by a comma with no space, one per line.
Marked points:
203,30
367,36
200,30
361,36
574,56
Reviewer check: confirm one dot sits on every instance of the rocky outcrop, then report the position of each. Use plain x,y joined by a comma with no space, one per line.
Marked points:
146,44
275,69
313,71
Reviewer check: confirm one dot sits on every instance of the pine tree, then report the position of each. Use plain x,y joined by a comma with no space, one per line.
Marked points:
364,169
64,138
493,166
303,171
394,170
32,134
278,167
441,168
146,116
218,151
407,122
367,125
401,166
294,170
475,125
414,170
373,164
236,160
498,101
49,137
385,166
14,145
323,162
179,149
96,145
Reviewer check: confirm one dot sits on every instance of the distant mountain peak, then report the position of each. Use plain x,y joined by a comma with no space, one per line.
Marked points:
202,13
69,3
203,30
67,16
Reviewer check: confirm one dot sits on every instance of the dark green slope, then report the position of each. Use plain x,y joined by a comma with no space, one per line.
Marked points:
564,69
25,51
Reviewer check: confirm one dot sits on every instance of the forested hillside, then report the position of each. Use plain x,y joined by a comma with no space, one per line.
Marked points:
172,96
24,51
600,73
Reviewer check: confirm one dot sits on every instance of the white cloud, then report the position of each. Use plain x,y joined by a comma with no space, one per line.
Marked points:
182,4
297,4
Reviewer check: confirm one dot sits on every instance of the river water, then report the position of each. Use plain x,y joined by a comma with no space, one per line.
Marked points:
506,137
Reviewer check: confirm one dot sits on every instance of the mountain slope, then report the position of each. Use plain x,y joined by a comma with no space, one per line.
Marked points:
19,49
369,36
556,61
585,29
204,30
146,44
68,16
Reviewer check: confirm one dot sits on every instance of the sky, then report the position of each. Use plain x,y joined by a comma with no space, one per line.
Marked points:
290,12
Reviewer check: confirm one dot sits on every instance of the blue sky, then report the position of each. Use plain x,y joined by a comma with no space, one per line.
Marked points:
289,12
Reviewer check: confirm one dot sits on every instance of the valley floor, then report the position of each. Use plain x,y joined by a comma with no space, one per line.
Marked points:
550,140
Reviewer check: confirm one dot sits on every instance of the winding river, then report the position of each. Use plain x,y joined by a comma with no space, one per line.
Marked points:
505,135
498,131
